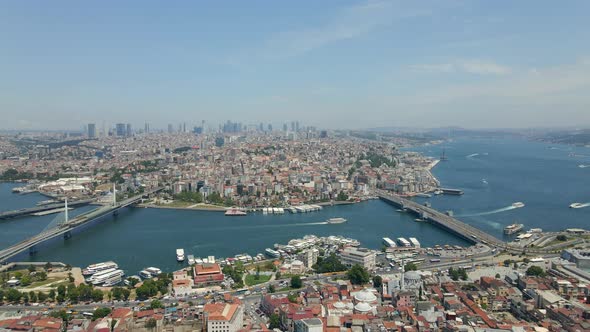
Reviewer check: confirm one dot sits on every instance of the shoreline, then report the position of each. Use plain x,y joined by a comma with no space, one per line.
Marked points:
224,209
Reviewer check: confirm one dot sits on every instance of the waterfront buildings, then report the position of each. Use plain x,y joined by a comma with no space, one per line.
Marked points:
361,256
207,274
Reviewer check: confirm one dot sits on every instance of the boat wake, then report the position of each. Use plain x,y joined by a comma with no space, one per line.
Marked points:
472,155
583,166
504,209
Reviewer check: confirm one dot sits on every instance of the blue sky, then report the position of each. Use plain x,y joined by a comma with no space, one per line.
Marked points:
333,64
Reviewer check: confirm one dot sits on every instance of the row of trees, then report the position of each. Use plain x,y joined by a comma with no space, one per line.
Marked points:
236,273
457,274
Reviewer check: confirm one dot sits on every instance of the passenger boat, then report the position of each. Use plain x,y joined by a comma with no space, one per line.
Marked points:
234,212
514,228
180,255
93,268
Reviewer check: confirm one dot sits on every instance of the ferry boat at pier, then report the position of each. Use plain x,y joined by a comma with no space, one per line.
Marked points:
94,268
180,255
336,220
389,242
403,242
272,253
109,278
512,229
449,191
235,212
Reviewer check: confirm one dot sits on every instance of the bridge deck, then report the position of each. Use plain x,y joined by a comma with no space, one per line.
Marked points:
35,209
449,223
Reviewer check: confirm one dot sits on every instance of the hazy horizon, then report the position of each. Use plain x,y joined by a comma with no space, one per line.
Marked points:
330,64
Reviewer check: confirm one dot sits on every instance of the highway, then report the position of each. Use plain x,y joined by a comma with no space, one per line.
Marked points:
65,228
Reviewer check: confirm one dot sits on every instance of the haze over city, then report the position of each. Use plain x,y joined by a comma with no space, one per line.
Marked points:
331,64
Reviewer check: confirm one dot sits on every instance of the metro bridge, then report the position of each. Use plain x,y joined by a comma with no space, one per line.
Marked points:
66,227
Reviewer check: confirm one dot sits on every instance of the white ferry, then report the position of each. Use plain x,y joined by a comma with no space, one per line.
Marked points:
517,204
272,253
180,255
145,274
99,274
403,242
414,242
93,268
108,277
154,271
389,242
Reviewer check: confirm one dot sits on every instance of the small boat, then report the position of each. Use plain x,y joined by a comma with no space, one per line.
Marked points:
49,201
438,192
578,205
191,259
336,220
484,181
423,195
180,255
517,204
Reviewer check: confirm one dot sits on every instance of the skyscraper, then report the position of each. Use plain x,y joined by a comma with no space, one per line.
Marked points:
91,130
170,128
120,129
146,128
128,132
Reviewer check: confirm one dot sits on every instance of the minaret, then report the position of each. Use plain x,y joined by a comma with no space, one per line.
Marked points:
66,210
402,279
114,194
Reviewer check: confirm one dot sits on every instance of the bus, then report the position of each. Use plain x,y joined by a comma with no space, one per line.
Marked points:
434,260
87,314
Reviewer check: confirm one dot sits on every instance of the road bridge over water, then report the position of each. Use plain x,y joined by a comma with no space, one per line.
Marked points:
65,229
450,224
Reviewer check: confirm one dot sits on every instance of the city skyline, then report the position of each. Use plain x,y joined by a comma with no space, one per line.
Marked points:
349,65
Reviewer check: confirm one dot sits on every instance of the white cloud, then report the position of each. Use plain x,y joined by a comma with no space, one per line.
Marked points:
477,67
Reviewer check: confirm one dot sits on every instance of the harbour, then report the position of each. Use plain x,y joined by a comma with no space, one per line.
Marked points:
201,233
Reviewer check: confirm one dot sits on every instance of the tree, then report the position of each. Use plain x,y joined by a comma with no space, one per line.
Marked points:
51,295
101,312
257,275
113,324
410,267
132,282
358,275
561,237
61,290
296,282
292,297
25,280
271,288
274,322
498,276
535,271
507,262
342,196
48,266
31,268
156,304
377,282
33,296
13,295
329,264
97,295
42,297
151,323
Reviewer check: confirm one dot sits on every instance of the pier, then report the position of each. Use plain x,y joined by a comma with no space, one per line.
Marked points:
37,209
442,220
65,229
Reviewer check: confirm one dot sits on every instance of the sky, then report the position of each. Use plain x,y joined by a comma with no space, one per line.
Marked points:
331,64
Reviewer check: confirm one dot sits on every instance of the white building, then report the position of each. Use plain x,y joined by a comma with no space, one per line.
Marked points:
309,325
361,256
309,257
223,317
